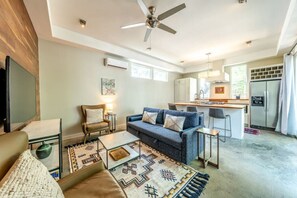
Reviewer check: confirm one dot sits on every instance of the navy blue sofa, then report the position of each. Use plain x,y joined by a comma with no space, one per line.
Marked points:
180,146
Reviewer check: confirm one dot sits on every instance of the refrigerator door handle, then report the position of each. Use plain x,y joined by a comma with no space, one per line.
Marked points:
267,101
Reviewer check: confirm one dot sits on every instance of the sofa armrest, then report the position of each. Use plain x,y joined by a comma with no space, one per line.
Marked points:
189,144
201,119
74,178
133,118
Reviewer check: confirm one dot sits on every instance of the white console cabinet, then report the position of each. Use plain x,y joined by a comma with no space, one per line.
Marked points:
48,131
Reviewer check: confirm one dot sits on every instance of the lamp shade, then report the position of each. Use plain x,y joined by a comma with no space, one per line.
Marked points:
109,108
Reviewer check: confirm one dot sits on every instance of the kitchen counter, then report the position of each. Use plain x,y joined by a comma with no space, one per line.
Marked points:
228,106
228,101
235,111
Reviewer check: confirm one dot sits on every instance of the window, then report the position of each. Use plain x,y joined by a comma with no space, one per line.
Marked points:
160,75
239,81
205,87
139,71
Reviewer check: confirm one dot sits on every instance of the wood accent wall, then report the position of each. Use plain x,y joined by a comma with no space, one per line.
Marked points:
18,39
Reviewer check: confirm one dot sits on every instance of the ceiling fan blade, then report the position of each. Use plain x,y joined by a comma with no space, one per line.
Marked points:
147,34
143,7
133,25
171,11
166,28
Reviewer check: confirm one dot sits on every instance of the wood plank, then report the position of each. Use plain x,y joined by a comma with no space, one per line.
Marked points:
19,40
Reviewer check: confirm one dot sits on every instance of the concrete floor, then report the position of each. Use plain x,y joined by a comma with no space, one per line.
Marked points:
262,165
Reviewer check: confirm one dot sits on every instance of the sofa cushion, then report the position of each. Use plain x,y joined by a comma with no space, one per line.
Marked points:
156,131
28,177
160,119
191,117
101,184
149,117
174,123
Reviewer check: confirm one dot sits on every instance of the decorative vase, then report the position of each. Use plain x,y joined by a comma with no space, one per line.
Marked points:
43,151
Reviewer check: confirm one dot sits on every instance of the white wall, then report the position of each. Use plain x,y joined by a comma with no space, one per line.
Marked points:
70,77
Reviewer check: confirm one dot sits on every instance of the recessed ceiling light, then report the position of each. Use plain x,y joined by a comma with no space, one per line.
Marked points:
242,1
249,43
82,23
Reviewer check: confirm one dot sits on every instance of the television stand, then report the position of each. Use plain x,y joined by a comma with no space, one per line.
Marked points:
49,131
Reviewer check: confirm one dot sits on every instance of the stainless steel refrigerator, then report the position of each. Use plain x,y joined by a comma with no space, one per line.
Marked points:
264,103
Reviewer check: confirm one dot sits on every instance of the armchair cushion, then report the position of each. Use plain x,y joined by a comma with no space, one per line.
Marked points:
28,177
96,126
94,115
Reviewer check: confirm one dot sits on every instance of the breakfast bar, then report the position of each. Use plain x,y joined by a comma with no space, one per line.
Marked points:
235,111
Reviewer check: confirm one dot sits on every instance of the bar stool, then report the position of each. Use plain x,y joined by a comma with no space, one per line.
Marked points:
191,109
220,114
172,106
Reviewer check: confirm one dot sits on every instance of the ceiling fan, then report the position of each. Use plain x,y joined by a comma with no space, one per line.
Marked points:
152,21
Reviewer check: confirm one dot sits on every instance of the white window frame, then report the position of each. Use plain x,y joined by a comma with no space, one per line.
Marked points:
159,77
246,94
141,67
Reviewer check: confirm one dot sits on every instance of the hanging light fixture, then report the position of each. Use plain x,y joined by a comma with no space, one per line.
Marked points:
208,64
209,72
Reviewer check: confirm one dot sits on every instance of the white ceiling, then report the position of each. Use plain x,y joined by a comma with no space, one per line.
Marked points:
221,27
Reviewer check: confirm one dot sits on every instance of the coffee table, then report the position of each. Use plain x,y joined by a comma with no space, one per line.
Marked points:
116,140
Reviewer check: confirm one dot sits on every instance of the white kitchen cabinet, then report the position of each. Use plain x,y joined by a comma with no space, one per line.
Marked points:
185,89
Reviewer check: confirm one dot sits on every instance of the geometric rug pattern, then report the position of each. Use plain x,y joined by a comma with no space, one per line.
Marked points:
152,175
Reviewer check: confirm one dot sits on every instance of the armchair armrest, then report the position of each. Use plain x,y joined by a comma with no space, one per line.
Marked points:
133,118
106,120
84,127
80,175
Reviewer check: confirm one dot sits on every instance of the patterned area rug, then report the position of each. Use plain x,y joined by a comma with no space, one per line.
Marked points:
153,175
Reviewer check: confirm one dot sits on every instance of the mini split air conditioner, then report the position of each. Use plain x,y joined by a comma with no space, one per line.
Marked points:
116,63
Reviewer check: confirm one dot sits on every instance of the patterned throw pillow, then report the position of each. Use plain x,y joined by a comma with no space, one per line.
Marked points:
28,177
94,115
175,123
149,117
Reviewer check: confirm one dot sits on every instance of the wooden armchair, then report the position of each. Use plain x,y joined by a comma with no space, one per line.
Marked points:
89,128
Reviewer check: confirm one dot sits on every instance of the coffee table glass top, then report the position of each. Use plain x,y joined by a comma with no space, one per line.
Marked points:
117,139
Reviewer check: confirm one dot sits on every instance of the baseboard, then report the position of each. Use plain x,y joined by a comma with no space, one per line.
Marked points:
72,136
120,127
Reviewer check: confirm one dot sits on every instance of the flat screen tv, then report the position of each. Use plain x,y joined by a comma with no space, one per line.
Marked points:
20,95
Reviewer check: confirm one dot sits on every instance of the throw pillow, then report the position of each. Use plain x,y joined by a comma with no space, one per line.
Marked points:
175,123
94,115
28,177
149,117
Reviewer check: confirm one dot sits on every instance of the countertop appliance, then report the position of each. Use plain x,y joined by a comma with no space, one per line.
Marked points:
264,103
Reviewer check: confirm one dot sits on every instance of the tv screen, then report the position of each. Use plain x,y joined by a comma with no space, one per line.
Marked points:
2,96
20,95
